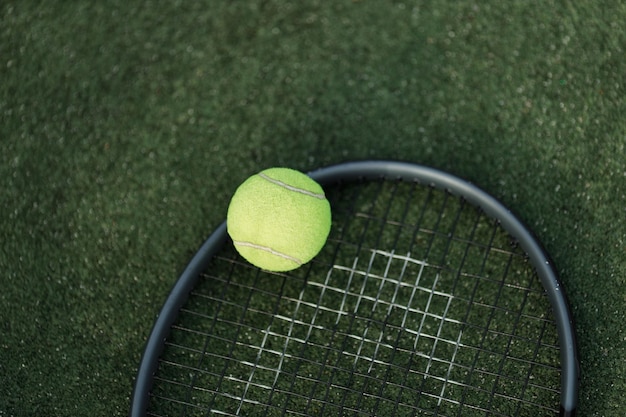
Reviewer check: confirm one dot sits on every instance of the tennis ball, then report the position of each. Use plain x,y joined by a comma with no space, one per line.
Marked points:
279,219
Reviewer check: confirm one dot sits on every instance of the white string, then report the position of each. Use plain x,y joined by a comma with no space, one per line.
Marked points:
342,295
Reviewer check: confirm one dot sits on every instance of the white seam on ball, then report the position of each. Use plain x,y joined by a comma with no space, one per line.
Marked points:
291,187
269,250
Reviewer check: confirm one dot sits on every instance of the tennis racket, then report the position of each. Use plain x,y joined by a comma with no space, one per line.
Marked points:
430,298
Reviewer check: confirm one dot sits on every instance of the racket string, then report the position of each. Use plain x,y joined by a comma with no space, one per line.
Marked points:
381,325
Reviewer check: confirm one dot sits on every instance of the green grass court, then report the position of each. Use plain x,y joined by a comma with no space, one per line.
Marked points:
125,127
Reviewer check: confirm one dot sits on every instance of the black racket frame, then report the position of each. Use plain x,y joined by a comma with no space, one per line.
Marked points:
372,170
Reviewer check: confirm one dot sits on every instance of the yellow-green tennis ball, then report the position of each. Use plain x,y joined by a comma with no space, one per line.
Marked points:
279,219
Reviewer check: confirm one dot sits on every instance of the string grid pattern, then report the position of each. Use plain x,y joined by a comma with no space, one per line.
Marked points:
419,305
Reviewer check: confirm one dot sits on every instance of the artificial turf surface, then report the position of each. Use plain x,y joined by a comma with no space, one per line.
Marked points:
126,126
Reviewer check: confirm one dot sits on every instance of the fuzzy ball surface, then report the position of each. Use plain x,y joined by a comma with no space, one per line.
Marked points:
279,219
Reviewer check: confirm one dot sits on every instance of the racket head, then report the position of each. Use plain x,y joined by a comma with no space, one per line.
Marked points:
379,172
